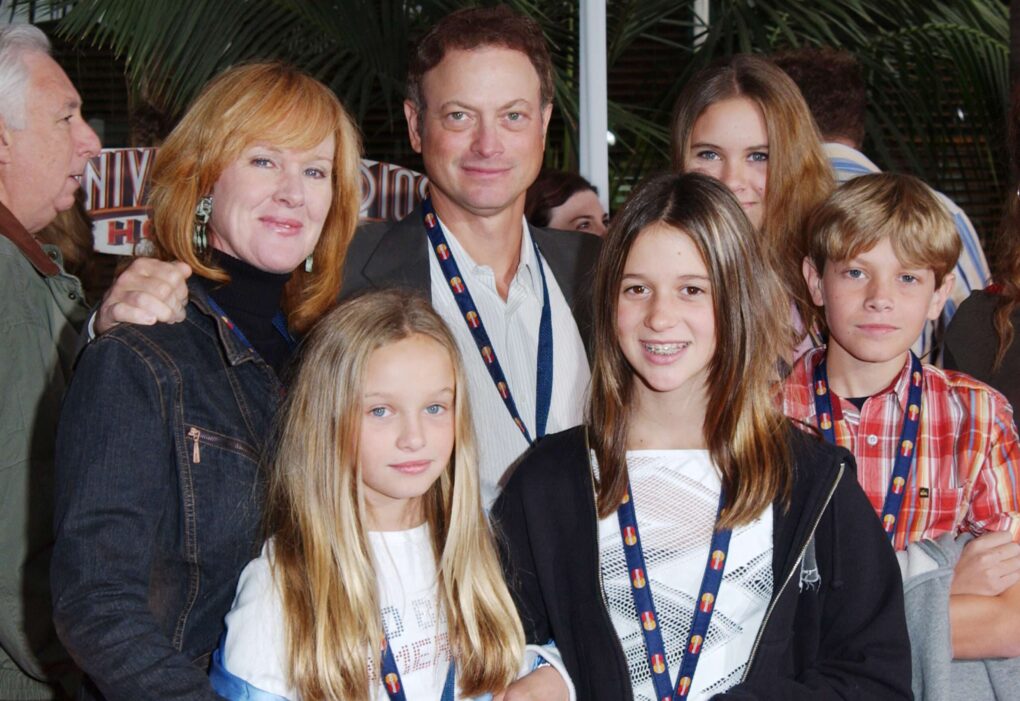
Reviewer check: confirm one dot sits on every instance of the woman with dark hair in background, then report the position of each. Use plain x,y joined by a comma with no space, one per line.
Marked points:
566,201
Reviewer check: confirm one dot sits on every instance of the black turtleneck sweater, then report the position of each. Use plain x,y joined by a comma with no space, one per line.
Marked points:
251,299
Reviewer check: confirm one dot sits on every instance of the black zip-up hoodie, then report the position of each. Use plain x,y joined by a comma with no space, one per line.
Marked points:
842,638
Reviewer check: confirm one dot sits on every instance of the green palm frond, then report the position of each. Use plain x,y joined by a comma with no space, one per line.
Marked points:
926,63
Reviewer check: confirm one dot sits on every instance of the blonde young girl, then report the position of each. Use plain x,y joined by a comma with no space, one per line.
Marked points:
743,121
377,531
688,507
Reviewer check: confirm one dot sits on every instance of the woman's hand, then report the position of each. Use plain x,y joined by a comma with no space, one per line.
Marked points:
544,684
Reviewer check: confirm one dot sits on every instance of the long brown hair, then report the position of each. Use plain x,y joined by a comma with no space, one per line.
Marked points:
269,102
744,426
799,174
315,513
1006,257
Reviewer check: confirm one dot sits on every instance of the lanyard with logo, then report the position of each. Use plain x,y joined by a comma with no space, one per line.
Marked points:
394,685
908,436
543,390
641,589
279,323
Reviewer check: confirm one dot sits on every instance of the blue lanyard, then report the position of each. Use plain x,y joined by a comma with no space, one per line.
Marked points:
279,322
394,685
641,589
543,389
908,436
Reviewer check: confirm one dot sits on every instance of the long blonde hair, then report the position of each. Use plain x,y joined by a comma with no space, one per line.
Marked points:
322,563
799,174
744,427
278,104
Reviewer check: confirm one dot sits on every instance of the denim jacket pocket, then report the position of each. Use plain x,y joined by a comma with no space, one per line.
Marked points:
223,482
199,437
221,501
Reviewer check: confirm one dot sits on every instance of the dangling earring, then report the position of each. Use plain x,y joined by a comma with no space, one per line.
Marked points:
308,263
202,211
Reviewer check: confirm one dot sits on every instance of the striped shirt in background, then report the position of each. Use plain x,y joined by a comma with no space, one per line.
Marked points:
972,271
967,458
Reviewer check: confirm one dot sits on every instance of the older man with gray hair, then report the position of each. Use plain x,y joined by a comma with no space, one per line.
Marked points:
44,146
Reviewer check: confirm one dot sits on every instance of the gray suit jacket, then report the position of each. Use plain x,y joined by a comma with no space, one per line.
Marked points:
396,254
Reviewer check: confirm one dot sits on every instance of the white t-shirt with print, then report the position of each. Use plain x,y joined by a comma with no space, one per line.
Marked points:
255,651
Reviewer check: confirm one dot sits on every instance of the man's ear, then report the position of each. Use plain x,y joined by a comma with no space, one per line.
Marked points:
413,116
814,281
939,297
546,118
5,142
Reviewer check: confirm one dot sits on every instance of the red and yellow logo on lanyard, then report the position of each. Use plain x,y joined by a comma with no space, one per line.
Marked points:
392,683
394,686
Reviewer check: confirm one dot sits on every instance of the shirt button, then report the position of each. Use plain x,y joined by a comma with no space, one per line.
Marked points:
872,440
52,255
72,296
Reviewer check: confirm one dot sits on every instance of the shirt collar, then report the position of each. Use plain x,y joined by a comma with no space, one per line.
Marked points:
898,387
527,272
33,251
529,263
835,150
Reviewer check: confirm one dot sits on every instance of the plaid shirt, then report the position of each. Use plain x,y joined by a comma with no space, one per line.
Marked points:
967,458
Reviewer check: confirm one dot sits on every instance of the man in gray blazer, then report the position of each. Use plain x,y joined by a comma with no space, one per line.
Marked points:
479,99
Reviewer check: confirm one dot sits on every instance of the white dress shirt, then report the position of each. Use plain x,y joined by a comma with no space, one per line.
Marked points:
512,326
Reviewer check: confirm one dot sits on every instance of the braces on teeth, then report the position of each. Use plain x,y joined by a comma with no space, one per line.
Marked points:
665,348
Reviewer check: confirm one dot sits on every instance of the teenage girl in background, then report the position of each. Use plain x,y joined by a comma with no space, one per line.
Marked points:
689,541
744,122
377,529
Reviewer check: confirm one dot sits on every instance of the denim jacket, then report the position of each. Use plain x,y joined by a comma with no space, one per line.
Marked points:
158,500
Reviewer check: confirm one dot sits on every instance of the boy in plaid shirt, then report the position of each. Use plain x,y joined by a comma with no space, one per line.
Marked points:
937,451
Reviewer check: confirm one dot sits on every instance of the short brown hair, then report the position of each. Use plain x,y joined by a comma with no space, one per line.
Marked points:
478,27
833,87
269,102
901,208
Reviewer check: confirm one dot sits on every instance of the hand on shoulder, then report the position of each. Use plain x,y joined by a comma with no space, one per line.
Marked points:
147,292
